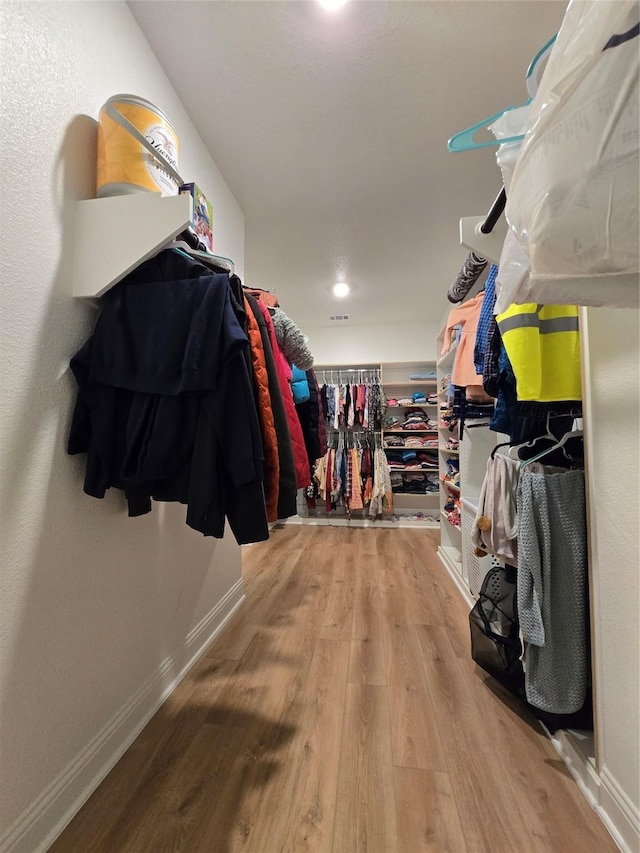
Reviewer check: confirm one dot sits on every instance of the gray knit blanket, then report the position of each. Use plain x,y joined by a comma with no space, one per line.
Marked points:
552,589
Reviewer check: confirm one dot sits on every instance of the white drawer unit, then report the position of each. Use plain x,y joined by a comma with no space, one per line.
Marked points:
474,568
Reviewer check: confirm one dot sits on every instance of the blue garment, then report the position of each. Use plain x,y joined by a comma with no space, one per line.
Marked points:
299,385
486,313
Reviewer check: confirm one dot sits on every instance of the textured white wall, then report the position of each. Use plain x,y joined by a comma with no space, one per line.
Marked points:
614,481
351,344
92,602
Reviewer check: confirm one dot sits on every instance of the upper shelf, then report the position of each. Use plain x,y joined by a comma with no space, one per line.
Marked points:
115,235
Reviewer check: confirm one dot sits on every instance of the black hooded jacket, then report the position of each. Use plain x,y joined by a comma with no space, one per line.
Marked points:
165,406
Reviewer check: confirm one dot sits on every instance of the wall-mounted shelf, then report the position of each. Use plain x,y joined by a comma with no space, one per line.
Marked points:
487,245
115,235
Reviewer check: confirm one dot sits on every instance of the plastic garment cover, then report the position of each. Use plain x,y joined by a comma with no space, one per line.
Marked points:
573,201
511,123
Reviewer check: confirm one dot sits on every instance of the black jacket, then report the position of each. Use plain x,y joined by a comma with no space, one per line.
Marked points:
165,406
309,415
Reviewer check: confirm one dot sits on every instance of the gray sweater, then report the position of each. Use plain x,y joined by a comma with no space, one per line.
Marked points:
552,589
291,340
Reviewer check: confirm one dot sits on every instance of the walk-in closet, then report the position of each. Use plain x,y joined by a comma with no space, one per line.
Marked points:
320,404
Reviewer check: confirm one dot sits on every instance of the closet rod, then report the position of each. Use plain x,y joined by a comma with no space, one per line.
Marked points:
495,213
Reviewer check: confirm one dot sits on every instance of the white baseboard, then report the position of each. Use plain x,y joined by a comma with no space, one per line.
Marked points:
619,814
578,763
340,521
40,824
604,795
449,564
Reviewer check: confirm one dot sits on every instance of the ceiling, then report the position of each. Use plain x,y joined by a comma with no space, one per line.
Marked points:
331,130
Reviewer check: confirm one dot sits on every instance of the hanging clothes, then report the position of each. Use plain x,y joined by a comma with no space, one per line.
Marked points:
310,416
552,589
543,345
165,407
495,529
303,476
382,491
484,321
265,414
269,299
299,385
287,485
464,372
291,340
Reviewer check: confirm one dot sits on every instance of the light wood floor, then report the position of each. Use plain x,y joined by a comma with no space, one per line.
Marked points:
340,713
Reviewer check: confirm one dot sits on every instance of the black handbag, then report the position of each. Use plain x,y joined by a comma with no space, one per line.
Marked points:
495,641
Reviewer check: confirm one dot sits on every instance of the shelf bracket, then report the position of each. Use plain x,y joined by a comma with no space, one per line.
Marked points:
115,235
489,245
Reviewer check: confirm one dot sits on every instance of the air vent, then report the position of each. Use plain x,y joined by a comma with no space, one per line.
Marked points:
339,317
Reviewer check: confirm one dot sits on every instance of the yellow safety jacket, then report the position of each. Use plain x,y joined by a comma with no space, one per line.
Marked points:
543,345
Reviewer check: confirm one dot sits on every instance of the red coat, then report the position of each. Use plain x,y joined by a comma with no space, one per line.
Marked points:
303,474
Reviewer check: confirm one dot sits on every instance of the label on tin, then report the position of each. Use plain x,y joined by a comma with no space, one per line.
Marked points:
165,144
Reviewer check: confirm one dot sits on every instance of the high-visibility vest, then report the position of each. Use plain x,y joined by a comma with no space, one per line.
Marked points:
543,345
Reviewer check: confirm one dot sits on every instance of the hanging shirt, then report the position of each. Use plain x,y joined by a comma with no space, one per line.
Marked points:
486,316
543,345
467,316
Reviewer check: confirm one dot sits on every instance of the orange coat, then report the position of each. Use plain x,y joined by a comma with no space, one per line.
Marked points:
265,414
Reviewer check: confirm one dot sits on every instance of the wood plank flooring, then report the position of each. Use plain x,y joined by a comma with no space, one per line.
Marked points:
340,713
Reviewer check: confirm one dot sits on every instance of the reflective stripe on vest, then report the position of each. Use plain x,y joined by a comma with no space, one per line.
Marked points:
542,342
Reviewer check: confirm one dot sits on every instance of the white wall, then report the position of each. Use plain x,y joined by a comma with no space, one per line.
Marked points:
613,415
350,344
100,612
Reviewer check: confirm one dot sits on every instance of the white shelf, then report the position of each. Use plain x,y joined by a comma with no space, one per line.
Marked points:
410,500
115,235
411,384
414,471
448,450
409,432
445,519
411,405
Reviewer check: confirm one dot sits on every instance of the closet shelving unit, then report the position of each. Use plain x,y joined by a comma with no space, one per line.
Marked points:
338,374
450,550
123,231
397,385
410,509
456,551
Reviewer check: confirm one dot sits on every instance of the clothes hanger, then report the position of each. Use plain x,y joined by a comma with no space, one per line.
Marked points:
548,435
576,433
537,66
464,141
217,260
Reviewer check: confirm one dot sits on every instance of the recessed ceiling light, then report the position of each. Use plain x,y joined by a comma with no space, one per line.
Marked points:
332,5
341,289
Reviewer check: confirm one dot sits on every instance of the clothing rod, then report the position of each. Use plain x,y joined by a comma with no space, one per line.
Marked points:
495,213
